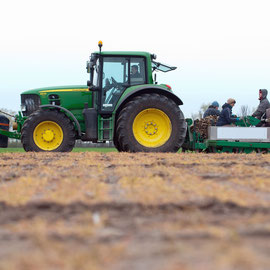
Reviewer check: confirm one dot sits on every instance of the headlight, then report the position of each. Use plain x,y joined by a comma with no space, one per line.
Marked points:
23,107
29,103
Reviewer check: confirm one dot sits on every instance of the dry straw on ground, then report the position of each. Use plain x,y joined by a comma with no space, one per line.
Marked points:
134,211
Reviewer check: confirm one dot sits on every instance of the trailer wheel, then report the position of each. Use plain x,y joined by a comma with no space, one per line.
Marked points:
47,130
150,123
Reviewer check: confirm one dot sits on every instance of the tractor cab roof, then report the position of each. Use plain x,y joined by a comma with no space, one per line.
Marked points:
120,53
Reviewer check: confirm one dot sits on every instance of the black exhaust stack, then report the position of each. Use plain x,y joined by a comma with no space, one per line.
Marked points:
91,127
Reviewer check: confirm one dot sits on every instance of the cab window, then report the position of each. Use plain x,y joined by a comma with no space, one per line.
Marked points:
118,74
137,71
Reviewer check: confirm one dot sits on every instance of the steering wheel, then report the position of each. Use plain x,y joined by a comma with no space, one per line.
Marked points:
107,86
111,94
115,89
114,83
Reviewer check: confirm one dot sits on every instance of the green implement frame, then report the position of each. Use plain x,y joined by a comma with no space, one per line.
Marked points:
16,134
11,134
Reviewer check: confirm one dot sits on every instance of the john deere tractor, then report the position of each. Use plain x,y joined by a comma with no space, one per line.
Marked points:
121,102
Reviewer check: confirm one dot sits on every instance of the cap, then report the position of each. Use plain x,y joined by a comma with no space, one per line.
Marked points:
215,104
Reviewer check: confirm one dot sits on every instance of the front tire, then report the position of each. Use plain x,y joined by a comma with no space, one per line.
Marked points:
47,130
150,123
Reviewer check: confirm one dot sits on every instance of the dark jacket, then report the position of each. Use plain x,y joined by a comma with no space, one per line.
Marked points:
136,75
225,117
263,106
211,111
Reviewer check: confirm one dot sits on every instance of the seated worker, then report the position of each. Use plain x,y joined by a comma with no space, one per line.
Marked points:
225,118
212,110
267,118
134,72
264,104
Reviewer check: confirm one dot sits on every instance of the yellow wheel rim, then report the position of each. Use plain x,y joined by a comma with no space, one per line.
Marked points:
48,135
152,128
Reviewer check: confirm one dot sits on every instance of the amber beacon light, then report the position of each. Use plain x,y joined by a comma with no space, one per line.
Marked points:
100,44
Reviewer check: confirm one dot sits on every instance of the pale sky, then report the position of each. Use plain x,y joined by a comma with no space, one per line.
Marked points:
221,48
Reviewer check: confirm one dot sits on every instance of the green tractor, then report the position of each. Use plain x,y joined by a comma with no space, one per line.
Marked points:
121,102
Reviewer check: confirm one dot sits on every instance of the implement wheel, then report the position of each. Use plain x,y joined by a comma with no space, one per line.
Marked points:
150,123
47,130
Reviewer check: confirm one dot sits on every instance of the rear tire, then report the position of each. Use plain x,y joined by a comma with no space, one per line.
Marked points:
150,123
116,143
47,130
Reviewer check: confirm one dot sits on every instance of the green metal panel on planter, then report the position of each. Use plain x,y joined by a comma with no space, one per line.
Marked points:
246,147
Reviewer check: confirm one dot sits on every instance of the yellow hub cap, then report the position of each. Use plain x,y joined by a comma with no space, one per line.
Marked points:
48,135
152,128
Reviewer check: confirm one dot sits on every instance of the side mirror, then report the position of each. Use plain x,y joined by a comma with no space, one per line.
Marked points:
88,66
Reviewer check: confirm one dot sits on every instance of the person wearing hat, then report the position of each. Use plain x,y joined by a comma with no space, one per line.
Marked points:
264,104
212,110
225,118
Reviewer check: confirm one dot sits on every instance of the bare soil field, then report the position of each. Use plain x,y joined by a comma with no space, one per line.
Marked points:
134,211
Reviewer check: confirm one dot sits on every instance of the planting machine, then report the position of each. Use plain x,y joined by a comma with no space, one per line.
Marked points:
245,137
123,103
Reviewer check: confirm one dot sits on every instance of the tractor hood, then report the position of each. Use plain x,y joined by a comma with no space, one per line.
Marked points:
66,88
71,97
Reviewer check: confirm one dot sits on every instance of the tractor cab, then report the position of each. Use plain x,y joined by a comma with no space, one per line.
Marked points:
111,73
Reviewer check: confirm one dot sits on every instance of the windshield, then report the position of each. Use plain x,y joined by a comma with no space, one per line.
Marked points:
162,67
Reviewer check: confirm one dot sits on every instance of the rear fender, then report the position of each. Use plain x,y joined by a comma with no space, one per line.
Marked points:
147,90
